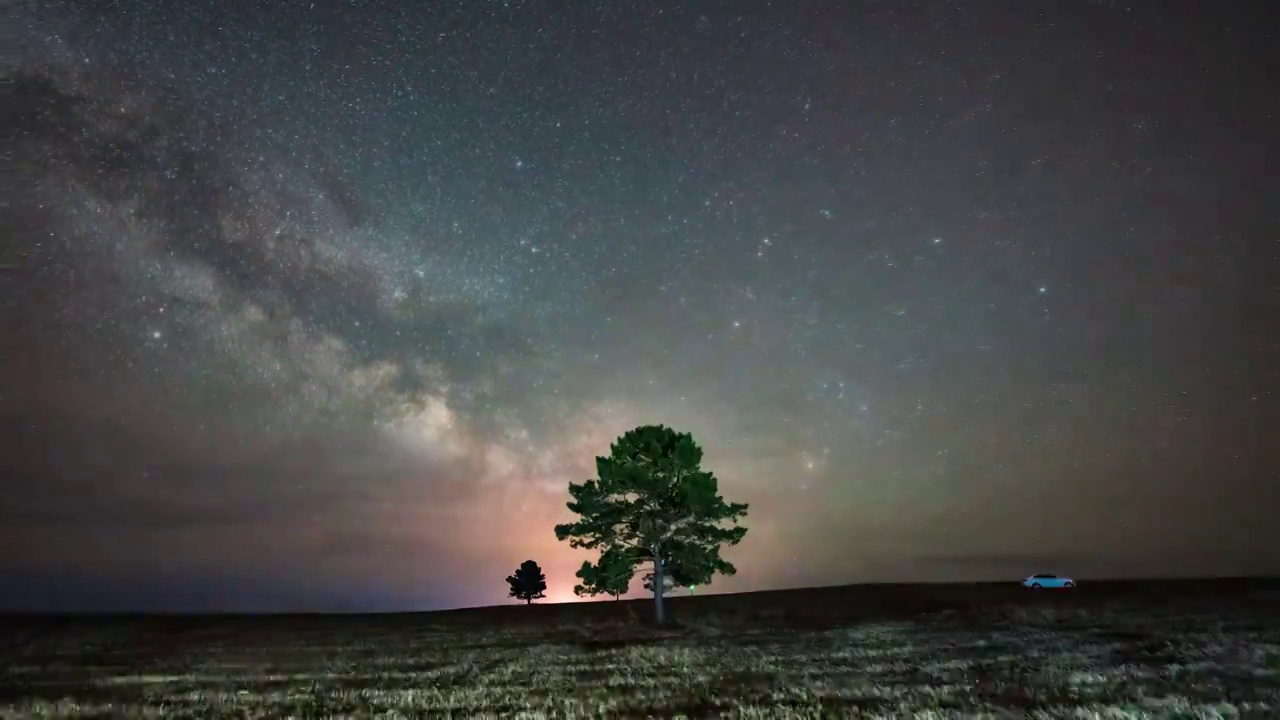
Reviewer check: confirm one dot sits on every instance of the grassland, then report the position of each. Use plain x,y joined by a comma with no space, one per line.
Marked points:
1169,649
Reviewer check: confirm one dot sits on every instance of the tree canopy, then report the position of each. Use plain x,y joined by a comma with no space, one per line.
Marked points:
678,576
652,502
528,583
610,576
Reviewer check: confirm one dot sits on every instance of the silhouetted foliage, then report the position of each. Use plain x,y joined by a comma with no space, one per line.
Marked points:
652,502
528,583
677,576
610,576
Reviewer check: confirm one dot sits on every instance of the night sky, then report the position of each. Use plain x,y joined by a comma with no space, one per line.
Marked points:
322,305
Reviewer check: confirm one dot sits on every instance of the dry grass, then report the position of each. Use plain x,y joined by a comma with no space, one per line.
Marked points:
855,652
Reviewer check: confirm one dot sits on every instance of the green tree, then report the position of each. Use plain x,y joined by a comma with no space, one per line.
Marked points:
528,583
678,576
652,502
611,576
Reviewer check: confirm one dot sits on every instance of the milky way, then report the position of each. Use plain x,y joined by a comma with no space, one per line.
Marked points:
323,306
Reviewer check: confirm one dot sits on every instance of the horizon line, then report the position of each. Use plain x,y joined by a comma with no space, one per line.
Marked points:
587,601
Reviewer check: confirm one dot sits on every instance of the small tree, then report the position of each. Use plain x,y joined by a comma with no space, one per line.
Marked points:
611,576
528,583
653,503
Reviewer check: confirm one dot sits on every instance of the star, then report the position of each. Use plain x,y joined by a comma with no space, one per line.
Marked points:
410,268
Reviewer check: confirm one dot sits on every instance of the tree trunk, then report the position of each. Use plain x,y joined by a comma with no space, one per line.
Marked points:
658,585
528,601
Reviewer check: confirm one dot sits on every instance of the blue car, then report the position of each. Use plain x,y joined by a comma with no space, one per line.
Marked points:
1048,581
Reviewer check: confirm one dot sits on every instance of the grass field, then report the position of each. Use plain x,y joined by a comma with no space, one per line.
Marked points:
1108,650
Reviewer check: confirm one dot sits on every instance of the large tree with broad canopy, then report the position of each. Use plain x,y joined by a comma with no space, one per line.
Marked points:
652,503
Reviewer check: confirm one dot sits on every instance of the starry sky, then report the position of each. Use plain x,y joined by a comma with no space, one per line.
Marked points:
322,305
